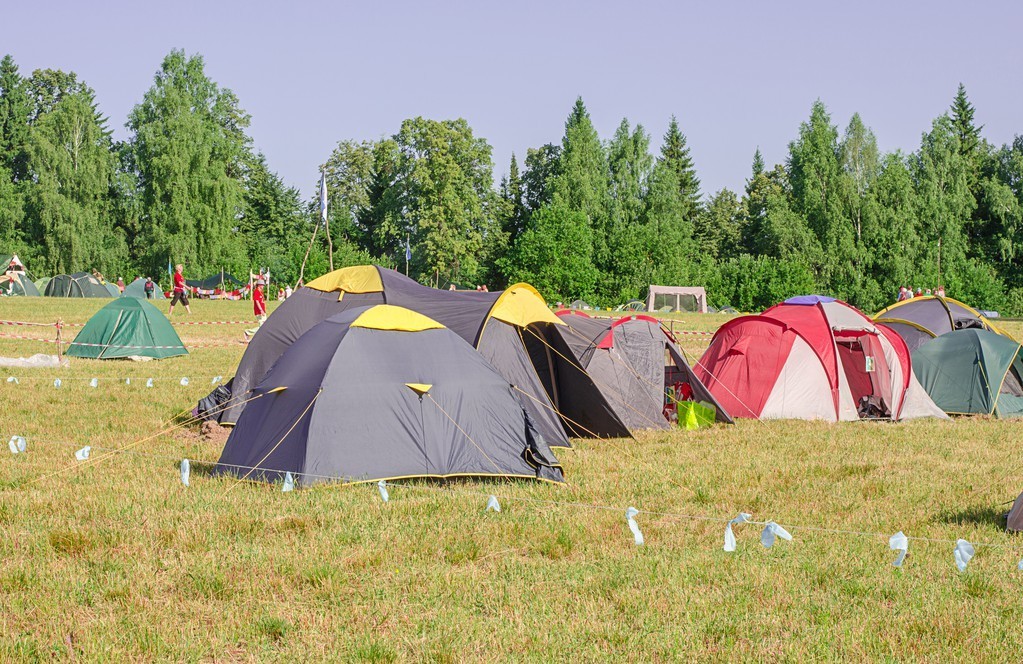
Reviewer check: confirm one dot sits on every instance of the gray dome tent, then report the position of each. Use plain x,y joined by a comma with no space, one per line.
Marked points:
384,393
626,360
511,329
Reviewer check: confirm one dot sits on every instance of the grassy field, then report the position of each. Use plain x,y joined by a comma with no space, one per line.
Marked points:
116,560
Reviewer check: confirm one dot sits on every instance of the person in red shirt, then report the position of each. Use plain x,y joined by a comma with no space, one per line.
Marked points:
258,309
180,294
259,303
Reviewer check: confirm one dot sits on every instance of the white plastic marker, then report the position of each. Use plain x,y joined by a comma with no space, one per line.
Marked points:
94,382
771,531
963,553
149,382
17,444
184,380
57,383
899,542
382,485
729,535
186,469
630,516
493,505
289,482
216,379
12,379
127,381
83,453
1019,565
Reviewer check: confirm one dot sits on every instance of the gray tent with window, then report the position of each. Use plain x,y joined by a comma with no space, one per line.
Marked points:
920,319
511,329
633,361
384,393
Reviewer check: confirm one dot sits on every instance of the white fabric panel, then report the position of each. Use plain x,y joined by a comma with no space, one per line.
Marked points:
845,318
801,391
898,394
847,411
917,403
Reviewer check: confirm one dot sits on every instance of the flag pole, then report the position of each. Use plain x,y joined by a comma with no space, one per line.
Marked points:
408,249
325,216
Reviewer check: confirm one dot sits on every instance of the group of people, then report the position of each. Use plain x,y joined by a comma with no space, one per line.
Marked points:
906,293
180,294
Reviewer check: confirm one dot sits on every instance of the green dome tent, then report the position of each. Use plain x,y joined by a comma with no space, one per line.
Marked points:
127,327
972,371
137,289
79,284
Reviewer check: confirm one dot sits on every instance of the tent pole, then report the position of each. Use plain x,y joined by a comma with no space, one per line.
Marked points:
301,272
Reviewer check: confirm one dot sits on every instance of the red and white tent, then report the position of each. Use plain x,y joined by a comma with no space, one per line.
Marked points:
813,357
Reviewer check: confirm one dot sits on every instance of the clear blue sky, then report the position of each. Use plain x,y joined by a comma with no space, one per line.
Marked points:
737,74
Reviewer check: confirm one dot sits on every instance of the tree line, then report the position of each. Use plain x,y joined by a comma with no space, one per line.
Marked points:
587,217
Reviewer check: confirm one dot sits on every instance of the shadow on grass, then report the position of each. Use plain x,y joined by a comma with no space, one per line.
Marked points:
975,515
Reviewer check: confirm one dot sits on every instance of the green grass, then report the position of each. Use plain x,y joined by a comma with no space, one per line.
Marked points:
118,561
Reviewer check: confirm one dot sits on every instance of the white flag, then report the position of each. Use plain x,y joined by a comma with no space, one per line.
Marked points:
323,196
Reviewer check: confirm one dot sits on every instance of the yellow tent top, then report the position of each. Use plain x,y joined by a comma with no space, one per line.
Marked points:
357,279
390,317
522,305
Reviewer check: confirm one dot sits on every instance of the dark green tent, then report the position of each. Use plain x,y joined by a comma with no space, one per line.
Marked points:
127,327
383,392
972,371
79,284
137,289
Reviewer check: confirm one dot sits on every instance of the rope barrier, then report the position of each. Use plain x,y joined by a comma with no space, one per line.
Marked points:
345,480
202,344
27,324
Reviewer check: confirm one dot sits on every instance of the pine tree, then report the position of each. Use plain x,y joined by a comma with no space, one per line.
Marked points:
14,115
582,180
675,154
622,265
513,220
542,167
814,174
966,131
758,163
716,229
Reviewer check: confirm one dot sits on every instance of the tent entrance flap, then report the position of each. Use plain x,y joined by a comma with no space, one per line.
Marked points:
866,372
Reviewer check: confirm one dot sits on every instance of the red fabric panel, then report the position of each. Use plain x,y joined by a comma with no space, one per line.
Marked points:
811,324
743,363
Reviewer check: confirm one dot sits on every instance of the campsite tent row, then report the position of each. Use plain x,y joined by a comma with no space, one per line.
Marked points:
536,353
813,357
